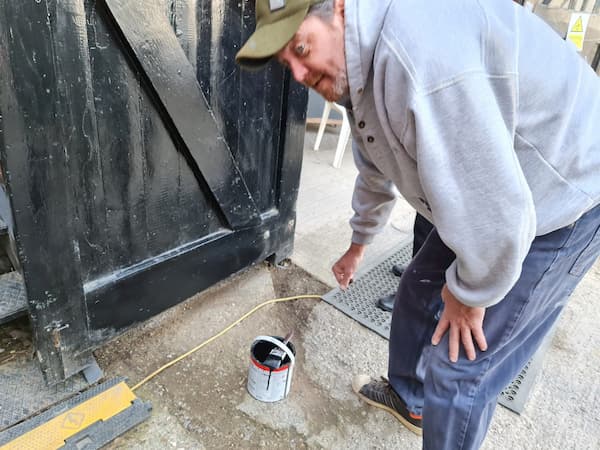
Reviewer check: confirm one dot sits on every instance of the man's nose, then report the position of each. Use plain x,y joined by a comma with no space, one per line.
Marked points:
299,72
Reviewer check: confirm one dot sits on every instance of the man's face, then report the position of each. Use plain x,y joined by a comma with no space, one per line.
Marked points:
316,56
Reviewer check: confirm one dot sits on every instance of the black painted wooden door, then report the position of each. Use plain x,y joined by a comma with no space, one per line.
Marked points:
139,164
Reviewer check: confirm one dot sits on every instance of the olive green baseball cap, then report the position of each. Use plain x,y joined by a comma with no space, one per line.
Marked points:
276,23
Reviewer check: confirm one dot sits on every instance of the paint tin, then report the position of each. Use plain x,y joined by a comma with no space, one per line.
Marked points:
264,383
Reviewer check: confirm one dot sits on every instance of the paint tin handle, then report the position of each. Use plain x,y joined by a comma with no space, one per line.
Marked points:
279,344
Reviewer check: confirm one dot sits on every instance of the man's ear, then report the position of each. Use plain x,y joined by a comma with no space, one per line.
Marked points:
338,8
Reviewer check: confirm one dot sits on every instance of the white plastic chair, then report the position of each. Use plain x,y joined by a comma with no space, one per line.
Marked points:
344,132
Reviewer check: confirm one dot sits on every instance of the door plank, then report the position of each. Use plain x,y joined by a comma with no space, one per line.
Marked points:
48,127
150,37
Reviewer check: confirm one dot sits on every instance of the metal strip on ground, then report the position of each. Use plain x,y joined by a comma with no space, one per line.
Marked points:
24,392
84,421
101,433
359,302
13,301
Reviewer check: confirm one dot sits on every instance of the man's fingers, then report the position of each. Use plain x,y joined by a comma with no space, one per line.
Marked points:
338,272
439,332
479,337
454,343
342,278
343,272
467,342
464,325
344,283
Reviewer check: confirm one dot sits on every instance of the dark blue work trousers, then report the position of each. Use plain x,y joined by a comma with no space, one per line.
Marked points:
457,400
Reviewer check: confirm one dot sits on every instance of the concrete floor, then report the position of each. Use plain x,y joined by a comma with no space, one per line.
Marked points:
202,402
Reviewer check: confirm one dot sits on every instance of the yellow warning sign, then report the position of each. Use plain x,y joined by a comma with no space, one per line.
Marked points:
577,26
577,39
576,30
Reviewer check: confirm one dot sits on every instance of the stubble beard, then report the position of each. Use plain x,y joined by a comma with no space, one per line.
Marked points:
339,88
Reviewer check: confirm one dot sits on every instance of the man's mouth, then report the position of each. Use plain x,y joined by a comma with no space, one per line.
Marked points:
314,85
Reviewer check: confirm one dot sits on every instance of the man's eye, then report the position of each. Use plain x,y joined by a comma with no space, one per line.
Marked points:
300,50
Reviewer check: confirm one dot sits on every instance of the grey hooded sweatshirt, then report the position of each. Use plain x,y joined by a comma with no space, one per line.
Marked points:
486,121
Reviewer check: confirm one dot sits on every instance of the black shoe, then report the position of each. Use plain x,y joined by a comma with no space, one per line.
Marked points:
379,393
398,269
387,302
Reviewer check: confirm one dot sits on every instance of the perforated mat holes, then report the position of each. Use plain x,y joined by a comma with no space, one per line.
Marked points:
512,390
376,281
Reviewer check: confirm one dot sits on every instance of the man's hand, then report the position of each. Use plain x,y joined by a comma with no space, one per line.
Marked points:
465,324
346,266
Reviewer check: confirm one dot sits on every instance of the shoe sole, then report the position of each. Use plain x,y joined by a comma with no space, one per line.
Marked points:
358,383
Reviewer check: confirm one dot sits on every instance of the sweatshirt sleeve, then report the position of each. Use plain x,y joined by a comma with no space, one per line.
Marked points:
373,198
481,204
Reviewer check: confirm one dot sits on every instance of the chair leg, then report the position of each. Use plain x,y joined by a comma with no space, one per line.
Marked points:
322,125
342,142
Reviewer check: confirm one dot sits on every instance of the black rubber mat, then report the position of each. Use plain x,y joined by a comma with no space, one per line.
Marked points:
359,302
514,396
375,281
